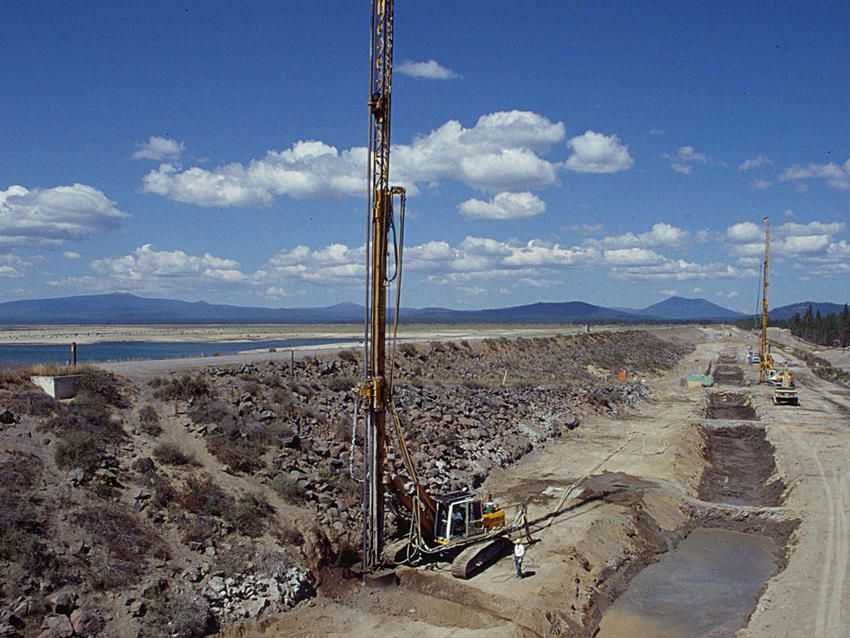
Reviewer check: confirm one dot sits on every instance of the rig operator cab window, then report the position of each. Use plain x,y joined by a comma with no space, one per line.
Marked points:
458,518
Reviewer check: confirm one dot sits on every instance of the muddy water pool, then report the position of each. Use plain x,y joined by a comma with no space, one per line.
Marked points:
705,588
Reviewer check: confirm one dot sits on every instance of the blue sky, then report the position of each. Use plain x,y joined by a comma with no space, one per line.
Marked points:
552,151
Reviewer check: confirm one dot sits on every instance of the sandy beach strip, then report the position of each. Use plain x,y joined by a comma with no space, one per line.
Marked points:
88,334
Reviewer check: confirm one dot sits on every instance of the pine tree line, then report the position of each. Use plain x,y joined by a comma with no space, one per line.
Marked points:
830,330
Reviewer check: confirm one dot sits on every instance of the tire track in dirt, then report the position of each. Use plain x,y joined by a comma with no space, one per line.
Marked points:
834,569
841,515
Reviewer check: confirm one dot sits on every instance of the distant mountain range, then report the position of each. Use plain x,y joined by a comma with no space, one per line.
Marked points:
123,308
682,309
784,313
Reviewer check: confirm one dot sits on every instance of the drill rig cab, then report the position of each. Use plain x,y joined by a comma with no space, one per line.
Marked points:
464,515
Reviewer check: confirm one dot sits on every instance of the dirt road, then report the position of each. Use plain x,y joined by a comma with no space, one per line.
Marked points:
641,485
812,444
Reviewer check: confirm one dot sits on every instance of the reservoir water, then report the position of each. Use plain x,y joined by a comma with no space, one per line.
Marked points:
135,350
705,588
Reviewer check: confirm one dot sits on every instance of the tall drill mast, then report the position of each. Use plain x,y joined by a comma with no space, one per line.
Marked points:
765,360
374,391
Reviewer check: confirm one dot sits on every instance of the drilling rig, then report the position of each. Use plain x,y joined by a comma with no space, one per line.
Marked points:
784,387
374,389
766,368
462,525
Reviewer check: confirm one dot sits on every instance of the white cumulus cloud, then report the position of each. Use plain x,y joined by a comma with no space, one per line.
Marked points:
632,257
744,232
504,206
430,70
48,217
159,148
837,176
152,271
598,153
760,184
661,234
684,159
756,162
502,152
812,242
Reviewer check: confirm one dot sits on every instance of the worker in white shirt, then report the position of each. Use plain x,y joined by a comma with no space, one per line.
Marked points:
519,552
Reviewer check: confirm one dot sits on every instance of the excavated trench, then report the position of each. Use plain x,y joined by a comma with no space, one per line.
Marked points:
739,459
730,405
708,585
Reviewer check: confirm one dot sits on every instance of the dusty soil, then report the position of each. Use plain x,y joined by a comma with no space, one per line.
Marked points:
157,503
640,472
642,476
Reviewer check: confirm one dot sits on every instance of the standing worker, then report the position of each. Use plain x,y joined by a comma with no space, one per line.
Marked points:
519,552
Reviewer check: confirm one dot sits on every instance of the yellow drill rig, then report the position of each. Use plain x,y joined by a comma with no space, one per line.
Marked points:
462,525
784,388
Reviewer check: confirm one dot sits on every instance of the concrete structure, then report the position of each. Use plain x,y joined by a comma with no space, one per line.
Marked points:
59,387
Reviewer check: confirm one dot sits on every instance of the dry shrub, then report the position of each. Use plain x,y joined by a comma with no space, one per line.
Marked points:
284,398
19,471
100,386
199,529
288,489
190,617
184,615
250,383
437,347
18,374
203,496
123,543
305,390
250,514
21,523
85,427
341,384
79,449
163,492
13,376
184,388
149,421
119,530
214,411
171,454
238,454
240,446
31,402
87,414
347,355
290,535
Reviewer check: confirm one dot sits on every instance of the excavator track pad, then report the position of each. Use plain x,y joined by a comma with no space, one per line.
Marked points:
474,558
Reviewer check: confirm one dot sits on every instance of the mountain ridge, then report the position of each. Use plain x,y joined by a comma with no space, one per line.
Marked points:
126,308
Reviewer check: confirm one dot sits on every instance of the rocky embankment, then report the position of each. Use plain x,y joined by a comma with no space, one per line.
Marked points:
174,507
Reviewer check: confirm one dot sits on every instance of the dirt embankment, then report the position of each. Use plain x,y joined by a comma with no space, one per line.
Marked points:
177,506
642,480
